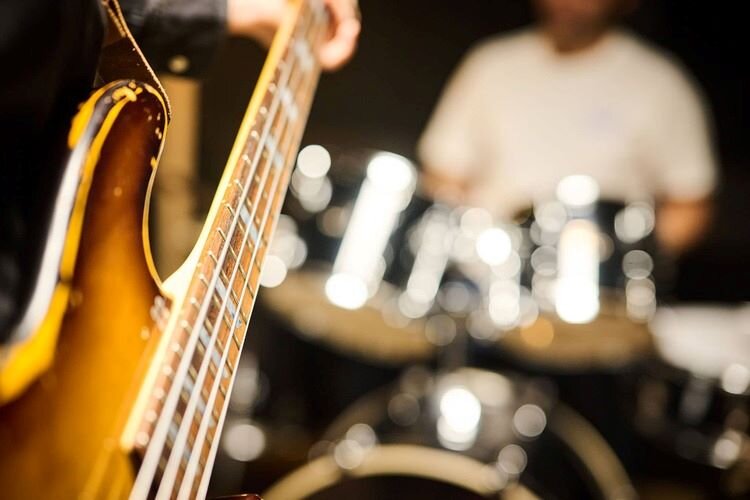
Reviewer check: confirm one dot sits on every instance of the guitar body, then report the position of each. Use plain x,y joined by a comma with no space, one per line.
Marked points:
59,439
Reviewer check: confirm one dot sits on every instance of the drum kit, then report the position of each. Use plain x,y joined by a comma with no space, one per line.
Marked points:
408,349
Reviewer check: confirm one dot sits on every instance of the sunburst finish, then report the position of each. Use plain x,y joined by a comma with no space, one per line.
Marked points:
59,438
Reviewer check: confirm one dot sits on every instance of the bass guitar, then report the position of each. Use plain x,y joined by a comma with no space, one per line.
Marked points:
135,373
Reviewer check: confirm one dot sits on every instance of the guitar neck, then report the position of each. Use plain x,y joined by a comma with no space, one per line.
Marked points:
180,422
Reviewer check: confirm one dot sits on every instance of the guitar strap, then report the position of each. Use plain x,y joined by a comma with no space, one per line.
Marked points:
121,58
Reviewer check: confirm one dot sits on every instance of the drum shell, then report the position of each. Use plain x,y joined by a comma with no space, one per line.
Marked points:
603,214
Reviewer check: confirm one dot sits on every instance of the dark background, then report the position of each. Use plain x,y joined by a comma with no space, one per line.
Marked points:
409,48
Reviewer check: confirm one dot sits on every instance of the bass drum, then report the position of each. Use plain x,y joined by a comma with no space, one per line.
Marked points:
463,434
348,287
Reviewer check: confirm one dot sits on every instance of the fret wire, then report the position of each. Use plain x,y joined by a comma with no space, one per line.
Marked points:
278,198
269,213
172,465
155,447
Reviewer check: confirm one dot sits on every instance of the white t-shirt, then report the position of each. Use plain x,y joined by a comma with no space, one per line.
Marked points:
517,117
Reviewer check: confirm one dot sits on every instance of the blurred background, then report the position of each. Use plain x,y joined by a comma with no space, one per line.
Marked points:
310,388
407,52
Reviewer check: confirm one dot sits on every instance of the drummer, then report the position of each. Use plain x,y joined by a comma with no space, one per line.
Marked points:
574,94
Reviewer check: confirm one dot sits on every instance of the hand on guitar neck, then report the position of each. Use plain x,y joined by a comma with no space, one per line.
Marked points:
259,19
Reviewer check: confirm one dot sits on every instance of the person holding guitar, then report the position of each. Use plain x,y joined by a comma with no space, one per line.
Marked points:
40,94
114,382
575,95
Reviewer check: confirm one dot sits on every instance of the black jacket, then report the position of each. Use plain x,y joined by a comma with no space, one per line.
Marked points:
48,56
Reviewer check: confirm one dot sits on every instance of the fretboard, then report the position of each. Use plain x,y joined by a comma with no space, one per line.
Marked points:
178,434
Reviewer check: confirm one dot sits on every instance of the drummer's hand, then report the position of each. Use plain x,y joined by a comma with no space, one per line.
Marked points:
439,187
259,19
681,224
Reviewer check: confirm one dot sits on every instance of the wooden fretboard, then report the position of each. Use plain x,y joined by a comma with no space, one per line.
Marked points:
180,423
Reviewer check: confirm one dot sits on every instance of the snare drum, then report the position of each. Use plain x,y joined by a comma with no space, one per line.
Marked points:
464,434
576,290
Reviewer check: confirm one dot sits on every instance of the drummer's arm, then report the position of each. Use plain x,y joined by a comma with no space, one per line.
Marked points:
681,224
679,148
452,148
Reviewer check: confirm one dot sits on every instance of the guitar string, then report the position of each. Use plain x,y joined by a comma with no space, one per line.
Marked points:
288,135
270,219
171,469
214,402
155,448
211,400
188,418
215,442
291,135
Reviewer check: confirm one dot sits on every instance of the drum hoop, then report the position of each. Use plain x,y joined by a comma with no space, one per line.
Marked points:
395,459
593,452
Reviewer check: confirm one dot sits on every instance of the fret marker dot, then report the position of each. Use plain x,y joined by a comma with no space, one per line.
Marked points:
142,439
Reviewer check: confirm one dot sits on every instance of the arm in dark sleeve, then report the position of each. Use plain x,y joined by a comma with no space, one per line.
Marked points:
180,36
